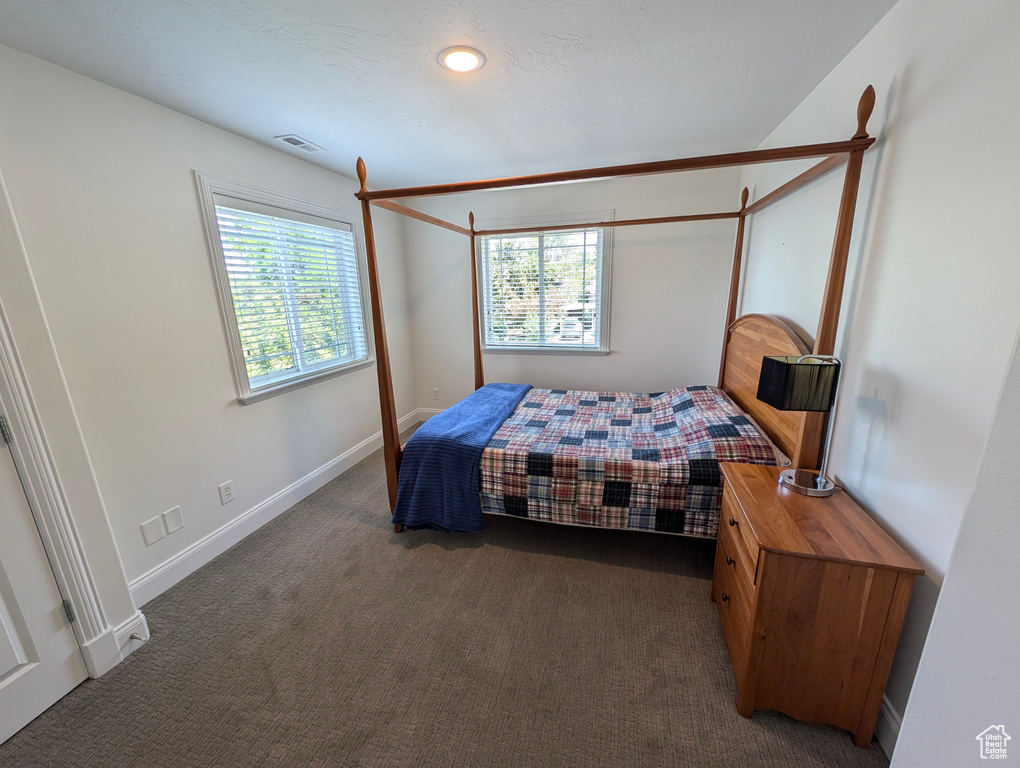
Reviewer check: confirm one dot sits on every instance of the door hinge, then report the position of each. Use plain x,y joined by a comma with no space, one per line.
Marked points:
5,429
69,610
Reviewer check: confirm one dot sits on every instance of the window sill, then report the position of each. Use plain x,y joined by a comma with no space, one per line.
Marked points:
545,351
264,393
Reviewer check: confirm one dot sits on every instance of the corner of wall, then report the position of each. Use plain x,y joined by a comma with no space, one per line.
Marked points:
887,727
402,225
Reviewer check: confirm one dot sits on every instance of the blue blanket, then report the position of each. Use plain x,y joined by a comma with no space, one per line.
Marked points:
438,486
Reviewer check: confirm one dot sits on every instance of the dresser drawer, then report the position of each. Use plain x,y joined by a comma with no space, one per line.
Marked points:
734,519
734,599
737,556
732,573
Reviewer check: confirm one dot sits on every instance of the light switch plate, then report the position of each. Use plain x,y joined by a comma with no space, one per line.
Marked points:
152,531
173,519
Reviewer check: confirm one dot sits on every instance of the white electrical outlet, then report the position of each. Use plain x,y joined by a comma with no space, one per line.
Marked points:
435,393
173,519
152,531
227,492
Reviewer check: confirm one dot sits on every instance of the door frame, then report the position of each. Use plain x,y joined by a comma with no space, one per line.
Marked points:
102,644
46,498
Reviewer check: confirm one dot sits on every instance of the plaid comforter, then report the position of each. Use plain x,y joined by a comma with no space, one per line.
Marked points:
619,460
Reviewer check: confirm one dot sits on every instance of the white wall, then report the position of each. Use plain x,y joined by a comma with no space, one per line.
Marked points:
101,183
669,285
969,676
930,313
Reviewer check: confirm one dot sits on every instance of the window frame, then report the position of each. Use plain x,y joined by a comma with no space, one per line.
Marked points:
588,217
208,187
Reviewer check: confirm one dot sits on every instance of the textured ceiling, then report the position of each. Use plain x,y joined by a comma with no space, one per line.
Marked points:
567,84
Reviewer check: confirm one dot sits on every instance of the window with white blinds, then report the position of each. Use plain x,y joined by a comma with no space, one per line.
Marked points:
293,285
545,290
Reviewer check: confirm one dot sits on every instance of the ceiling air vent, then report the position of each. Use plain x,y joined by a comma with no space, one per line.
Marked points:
296,141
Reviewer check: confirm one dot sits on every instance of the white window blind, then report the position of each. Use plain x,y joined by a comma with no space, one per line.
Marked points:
294,288
544,290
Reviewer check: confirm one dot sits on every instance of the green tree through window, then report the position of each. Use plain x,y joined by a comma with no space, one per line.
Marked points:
295,293
543,289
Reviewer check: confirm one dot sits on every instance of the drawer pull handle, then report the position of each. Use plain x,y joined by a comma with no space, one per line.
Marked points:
730,561
732,521
725,597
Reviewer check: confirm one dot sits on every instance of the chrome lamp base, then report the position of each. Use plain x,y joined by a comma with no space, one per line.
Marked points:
806,482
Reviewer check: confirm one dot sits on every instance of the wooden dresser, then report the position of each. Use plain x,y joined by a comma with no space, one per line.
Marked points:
811,594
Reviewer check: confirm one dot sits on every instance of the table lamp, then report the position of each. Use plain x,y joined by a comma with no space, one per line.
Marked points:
805,383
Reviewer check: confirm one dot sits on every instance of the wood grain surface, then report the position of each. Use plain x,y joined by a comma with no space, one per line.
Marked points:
831,528
750,338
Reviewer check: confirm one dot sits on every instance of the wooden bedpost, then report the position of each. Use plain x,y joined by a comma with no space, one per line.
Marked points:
475,323
828,319
391,437
731,306
811,437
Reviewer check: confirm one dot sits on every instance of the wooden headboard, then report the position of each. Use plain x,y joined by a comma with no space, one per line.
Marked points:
748,339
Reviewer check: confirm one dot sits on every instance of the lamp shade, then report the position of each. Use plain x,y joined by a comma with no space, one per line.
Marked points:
789,385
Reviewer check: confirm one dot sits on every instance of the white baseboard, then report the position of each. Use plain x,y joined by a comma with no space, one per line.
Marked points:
136,626
103,653
887,727
425,413
168,573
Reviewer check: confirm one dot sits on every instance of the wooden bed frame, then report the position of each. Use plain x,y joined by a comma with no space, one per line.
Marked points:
746,340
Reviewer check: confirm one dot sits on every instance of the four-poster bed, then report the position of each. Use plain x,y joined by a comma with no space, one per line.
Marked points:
746,340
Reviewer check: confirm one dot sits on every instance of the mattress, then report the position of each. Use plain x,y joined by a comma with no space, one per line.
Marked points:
619,460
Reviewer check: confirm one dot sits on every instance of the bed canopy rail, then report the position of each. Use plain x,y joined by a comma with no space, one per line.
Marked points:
613,223
752,157
796,183
834,154
410,213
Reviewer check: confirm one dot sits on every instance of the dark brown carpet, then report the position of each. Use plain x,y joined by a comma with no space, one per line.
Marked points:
326,640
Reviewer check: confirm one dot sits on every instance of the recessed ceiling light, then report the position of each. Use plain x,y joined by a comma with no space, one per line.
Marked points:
461,58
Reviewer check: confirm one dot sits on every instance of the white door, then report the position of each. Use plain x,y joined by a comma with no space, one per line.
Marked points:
39,656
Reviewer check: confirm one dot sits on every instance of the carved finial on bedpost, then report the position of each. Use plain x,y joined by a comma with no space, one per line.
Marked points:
361,174
471,221
864,108
743,198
